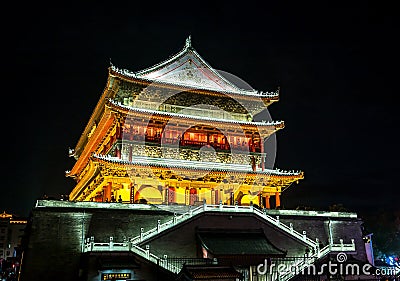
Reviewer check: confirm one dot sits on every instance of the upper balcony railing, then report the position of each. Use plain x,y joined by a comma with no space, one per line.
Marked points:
191,111
229,147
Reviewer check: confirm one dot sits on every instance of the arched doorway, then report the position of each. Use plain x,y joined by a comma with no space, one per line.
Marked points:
247,199
148,193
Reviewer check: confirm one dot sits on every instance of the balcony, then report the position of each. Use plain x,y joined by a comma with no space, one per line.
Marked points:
191,111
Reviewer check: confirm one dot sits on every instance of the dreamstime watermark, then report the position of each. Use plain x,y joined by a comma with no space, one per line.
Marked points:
339,266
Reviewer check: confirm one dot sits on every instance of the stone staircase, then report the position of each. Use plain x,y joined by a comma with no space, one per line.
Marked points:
133,244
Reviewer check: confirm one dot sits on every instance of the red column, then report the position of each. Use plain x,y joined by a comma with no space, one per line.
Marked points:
171,194
98,198
107,193
103,199
277,200
193,196
130,153
267,205
118,132
253,163
118,152
232,198
262,153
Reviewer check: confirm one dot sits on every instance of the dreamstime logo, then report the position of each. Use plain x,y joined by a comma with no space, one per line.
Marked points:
341,257
160,135
307,266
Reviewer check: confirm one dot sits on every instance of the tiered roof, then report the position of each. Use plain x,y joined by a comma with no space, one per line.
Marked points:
187,68
189,73
144,161
273,125
184,71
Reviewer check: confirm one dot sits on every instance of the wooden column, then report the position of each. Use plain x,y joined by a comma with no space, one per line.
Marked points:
253,163
130,153
277,200
216,194
193,196
118,151
267,205
108,192
171,195
118,132
262,154
103,198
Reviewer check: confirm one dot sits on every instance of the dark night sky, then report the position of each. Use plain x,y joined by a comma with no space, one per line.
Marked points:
335,63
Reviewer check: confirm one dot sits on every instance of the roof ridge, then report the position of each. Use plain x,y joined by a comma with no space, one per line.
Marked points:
187,49
256,93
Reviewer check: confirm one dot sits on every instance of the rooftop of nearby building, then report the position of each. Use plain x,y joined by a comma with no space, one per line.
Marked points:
4,215
12,218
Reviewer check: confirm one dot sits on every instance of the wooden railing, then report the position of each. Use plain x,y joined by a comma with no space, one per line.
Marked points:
192,111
